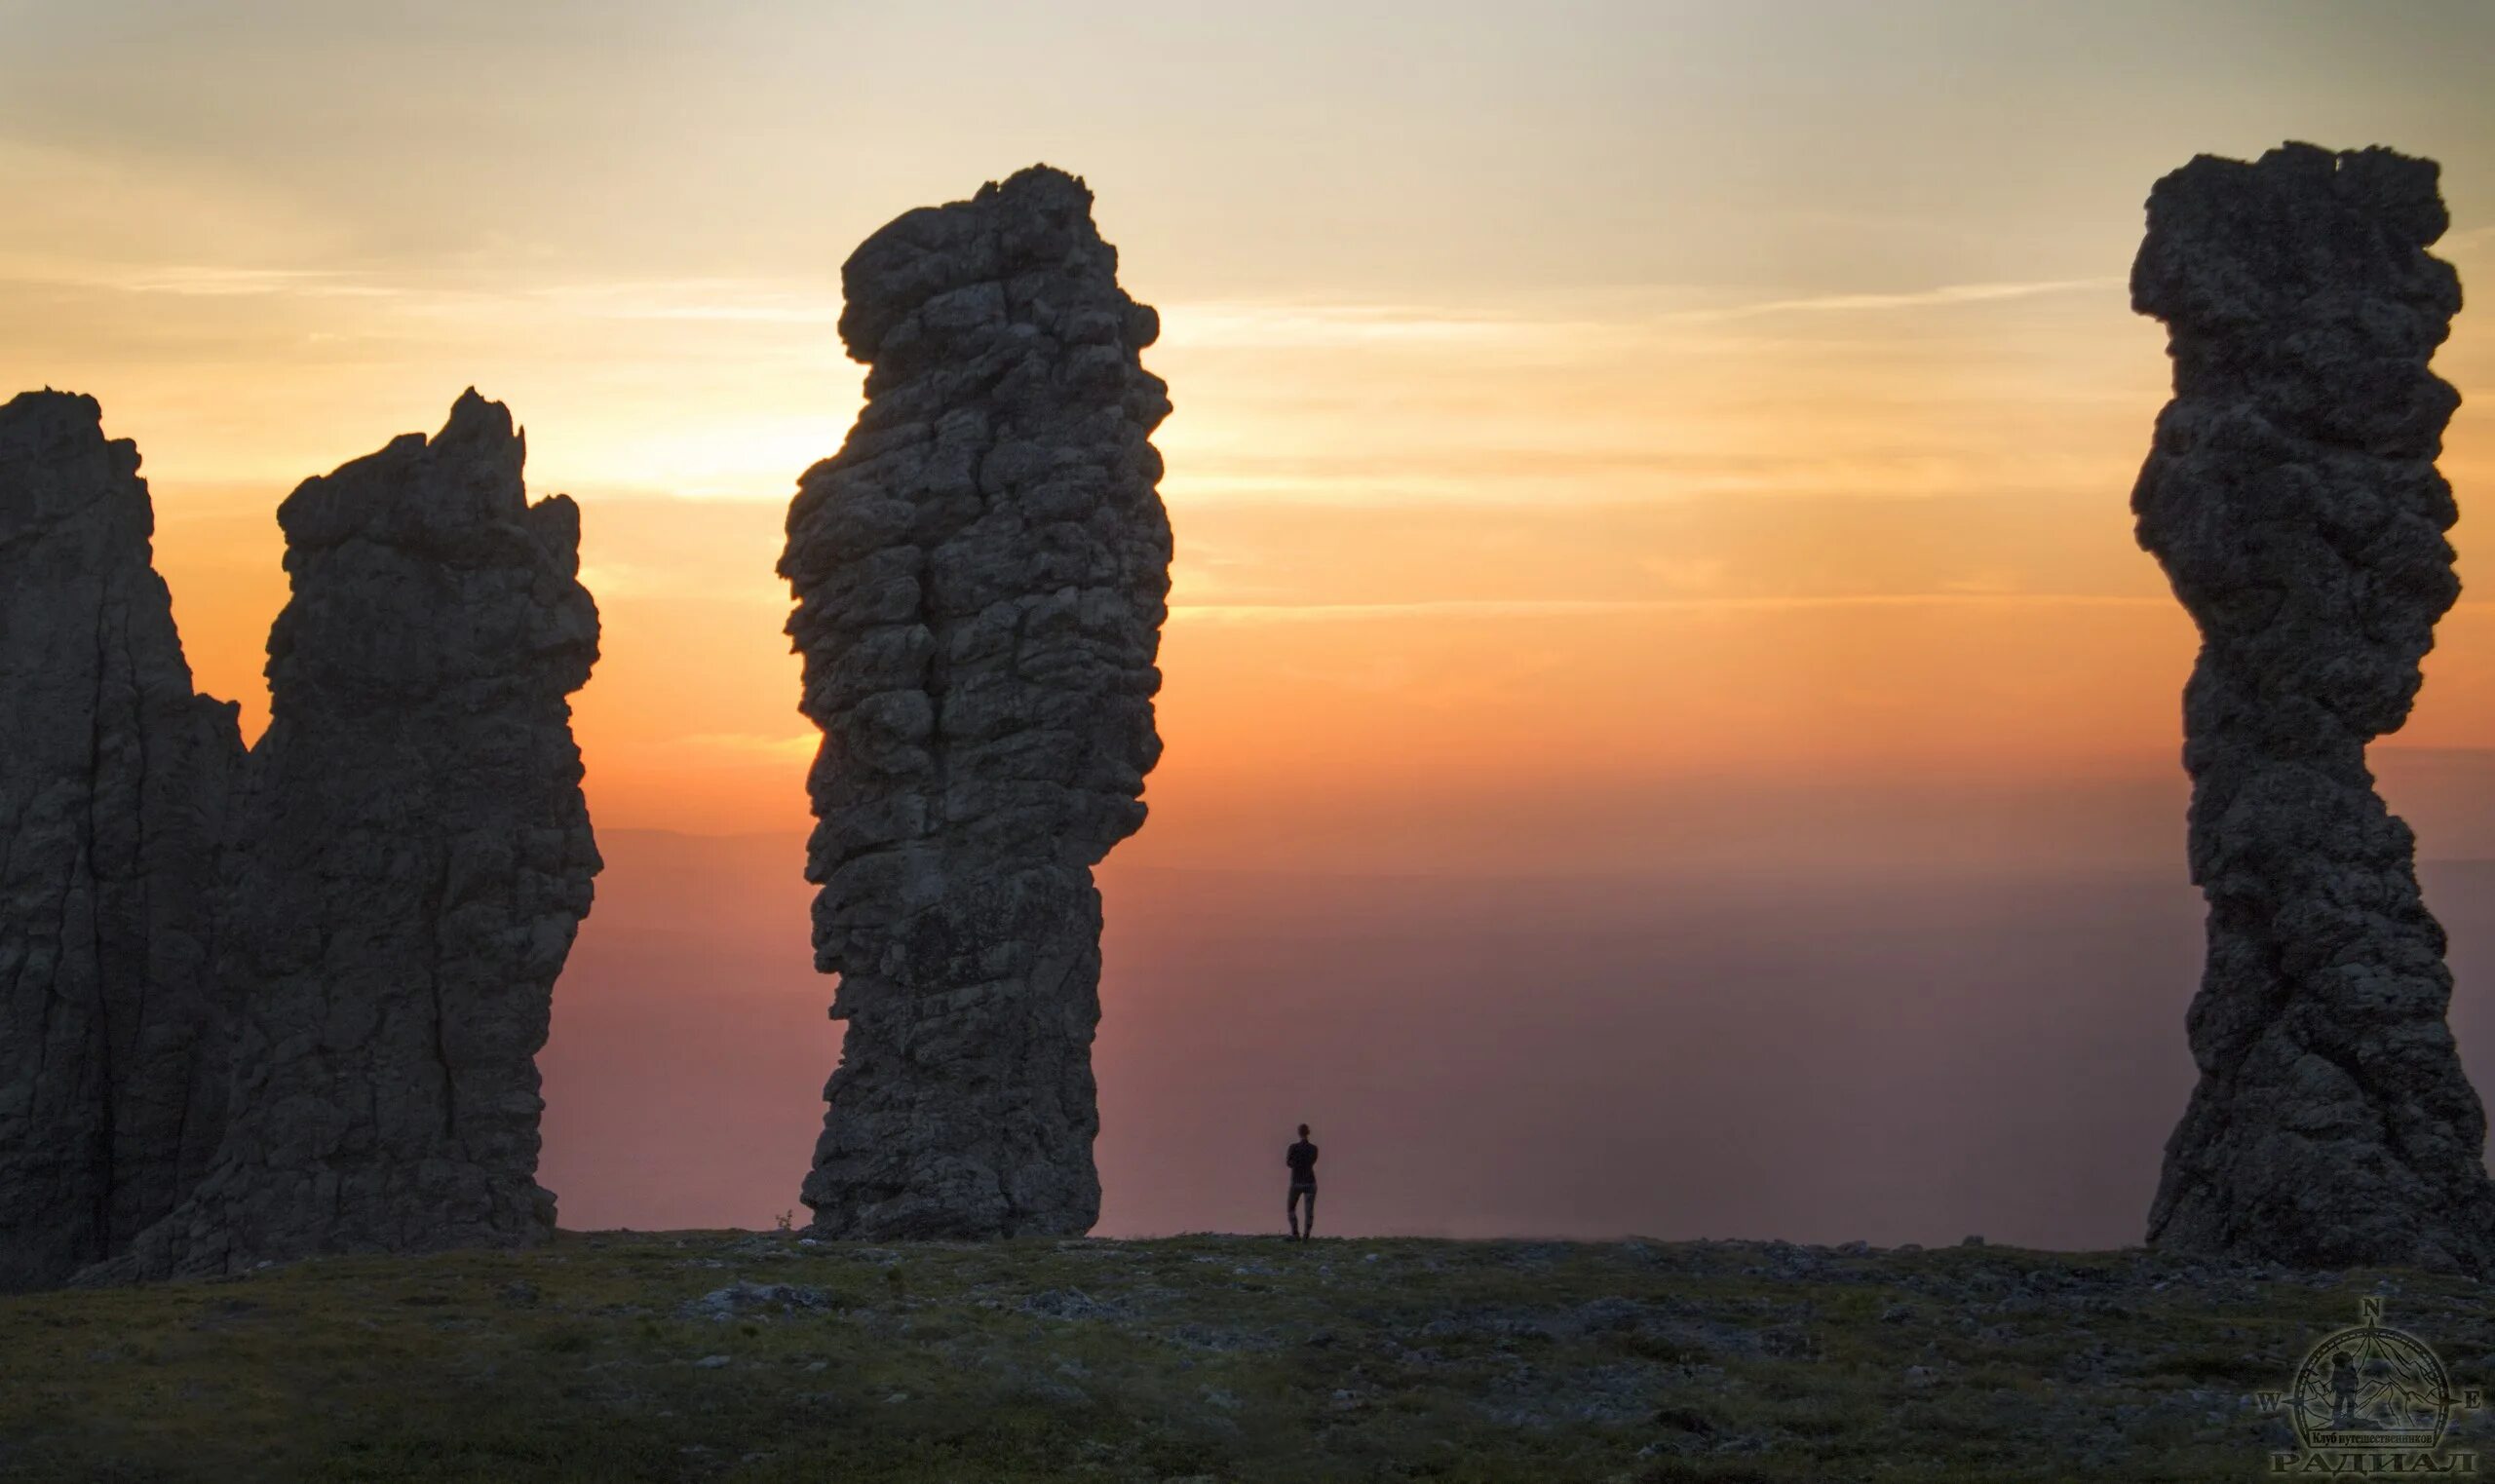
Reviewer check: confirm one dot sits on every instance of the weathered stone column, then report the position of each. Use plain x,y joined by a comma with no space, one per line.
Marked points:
113,782
981,573
408,867
2292,498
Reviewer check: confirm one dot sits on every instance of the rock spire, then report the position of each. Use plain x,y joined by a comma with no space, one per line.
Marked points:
410,864
981,573
2291,495
113,789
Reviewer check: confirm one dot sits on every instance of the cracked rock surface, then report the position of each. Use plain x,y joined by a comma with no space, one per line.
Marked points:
113,785
2292,498
409,866
981,573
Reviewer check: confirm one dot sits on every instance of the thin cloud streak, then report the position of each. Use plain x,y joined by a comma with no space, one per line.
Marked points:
759,301
1922,298
1283,325
1209,324
1233,325
200,280
1295,613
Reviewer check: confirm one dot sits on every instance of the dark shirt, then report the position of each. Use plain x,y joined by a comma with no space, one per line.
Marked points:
1302,1160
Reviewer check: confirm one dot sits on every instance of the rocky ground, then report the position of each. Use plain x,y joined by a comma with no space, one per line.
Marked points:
733,1355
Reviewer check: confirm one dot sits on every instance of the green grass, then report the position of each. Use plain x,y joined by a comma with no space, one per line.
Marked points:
1196,1358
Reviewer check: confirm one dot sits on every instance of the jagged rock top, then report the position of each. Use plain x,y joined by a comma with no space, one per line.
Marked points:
56,461
971,266
459,493
2282,277
2285,282
458,499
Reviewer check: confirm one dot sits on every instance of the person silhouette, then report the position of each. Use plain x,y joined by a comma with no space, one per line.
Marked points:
1302,1160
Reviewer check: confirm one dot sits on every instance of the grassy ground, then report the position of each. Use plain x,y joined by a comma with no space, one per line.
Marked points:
730,1355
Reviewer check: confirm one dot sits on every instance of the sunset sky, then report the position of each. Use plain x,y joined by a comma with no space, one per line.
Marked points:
1627,443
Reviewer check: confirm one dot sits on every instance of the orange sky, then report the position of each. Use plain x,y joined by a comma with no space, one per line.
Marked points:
1639,392
1446,558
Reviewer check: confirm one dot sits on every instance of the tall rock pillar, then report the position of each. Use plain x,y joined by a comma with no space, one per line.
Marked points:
2291,496
113,785
981,573
408,868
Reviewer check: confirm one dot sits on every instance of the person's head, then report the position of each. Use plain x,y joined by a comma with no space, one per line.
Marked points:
1303,1130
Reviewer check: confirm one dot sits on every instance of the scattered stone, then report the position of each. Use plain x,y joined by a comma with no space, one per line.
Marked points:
981,573
741,1298
1068,1303
2291,496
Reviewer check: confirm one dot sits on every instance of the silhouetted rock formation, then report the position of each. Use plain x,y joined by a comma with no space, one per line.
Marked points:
113,780
408,868
981,573
2292,498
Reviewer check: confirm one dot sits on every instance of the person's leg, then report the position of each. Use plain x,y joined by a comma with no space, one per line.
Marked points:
1310,1193
1291,1211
